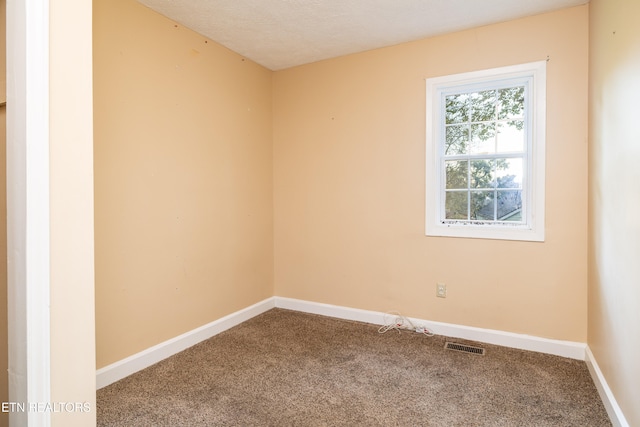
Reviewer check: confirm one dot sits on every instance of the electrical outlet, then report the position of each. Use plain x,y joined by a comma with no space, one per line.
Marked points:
441,290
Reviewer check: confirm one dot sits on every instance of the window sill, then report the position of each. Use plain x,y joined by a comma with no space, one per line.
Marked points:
485,232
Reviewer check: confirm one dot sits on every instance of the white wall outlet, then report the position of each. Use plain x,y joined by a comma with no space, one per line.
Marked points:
441,290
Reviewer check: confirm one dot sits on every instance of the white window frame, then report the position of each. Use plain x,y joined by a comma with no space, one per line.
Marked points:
533,228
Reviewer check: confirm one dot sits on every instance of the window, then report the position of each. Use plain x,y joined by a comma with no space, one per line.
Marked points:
485,153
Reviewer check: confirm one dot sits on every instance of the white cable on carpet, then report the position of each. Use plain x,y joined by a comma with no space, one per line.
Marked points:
399,322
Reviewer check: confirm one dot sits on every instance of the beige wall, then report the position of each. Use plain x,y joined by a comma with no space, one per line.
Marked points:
183,180
614,227
349,148
71,211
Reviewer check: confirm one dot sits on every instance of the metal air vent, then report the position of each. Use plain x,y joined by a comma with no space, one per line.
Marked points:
464,348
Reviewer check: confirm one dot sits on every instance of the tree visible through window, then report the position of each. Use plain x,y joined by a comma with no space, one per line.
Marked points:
484,150
485,153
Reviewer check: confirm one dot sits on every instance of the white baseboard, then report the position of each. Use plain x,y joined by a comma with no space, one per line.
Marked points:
570,349
132,364
125,367
611,405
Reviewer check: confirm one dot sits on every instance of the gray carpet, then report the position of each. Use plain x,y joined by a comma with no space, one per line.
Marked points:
285,368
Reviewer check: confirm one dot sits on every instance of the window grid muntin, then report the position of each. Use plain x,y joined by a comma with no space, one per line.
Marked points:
469,89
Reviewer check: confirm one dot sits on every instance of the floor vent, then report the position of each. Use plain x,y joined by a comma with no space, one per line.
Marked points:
464,348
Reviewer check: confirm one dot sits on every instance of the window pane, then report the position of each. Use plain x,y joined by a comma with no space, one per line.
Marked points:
457,174
510,205
482,206
510,136
483,138
482,172
483,106
457,139
511,103
457,108
456,205
509,173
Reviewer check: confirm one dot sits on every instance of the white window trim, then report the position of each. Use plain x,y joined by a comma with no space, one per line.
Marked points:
534,230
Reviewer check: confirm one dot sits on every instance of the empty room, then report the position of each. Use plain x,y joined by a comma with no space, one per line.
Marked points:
334,213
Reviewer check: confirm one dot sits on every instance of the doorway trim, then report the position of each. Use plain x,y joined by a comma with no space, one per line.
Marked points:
28,212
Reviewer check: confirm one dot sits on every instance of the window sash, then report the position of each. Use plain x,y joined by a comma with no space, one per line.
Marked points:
523,154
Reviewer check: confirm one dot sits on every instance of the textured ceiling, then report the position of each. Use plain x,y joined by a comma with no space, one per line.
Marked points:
280,34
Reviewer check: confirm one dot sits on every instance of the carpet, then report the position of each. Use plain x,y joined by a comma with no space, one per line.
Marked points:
285,368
